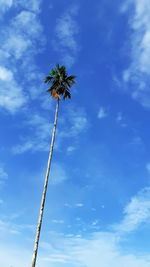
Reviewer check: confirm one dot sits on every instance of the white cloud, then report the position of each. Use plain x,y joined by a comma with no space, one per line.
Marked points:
91,251
70,149
18,45
137,141
139,69
38,138
102,113
58,174
66,31
79,205
121,120
58,221
24,19
75,122
27,145
79,123
148,167
3,175
11,96
20,38
5,75
5,5
33,5
119,117
95,222
136,212
6,227
42,123
17,256
73,251
88,251
66,28
67,205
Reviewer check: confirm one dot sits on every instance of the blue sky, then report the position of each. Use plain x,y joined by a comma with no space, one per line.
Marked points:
98,203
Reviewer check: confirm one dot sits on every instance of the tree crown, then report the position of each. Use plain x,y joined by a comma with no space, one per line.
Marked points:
60,82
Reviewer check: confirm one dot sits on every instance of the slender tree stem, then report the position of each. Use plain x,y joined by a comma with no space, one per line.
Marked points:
36,244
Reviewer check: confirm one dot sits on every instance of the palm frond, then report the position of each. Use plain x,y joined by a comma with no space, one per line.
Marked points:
60,82
52,72
48,79
66,95
71,77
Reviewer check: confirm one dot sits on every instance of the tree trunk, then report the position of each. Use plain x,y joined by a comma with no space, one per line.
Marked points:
36,244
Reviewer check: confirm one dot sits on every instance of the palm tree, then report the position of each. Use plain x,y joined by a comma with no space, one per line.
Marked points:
60,84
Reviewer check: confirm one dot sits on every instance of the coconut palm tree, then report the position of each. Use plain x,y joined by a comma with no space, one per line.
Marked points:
60,84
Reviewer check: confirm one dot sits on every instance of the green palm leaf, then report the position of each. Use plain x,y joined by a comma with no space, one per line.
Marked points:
60,82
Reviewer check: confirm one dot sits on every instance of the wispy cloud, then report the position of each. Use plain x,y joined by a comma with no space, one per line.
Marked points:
136,212
137,141
79,123
66,32
11,96
58,174
70,149
79,205
32,5
102,113
5,5
105,247
38,137
8,226
18,46
17,256
119,117
98,247
57,221
73,123
3,175
137,75
148,167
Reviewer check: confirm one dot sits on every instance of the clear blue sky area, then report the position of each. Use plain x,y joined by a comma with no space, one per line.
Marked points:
97,211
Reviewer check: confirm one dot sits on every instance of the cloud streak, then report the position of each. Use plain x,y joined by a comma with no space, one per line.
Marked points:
3,175
58,174
66,31
105,247
137,74
11,96
18,47
5,5
136,213
38,137
102,113
74,122
91,249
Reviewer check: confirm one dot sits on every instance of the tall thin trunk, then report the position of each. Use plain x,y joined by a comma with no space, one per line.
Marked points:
36,244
